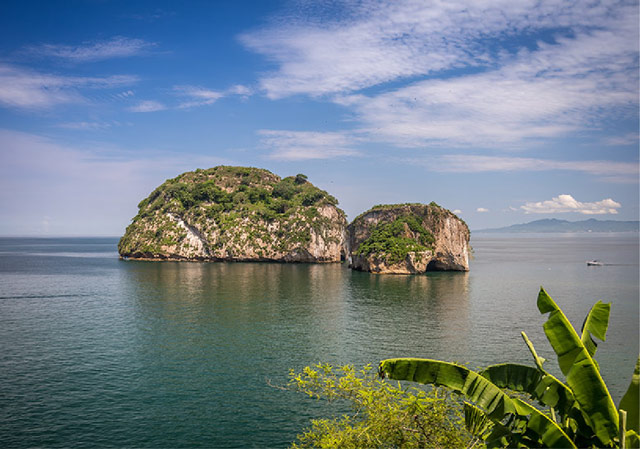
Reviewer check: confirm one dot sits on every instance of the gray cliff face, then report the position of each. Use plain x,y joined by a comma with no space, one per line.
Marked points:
445,247
236,214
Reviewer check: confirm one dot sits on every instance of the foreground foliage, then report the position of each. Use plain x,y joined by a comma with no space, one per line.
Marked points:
383,414
576,413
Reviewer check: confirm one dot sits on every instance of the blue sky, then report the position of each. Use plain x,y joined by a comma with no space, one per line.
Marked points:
502,111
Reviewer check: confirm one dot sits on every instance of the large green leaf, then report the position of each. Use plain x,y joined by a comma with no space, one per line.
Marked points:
513,376
595,324
633,440
583,376
538,384
488,396
630,400
476,421
544,428
458,378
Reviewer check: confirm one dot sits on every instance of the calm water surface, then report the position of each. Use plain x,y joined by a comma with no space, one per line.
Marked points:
98,352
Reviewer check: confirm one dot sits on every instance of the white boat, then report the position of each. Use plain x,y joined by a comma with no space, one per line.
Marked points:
594,263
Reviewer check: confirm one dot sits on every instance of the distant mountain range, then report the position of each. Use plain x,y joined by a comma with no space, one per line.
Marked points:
555,225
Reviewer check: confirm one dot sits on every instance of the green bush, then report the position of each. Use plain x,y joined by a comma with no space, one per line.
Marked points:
383,414
284,189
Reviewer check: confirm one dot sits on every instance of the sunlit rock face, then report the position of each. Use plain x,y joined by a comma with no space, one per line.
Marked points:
408,239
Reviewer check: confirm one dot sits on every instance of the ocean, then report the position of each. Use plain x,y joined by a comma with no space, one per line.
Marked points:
100,352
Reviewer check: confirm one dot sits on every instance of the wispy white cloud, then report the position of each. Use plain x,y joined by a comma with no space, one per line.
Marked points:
482,210
566,203
554,91
626,139
88,126
241,90
200,96
116,47
377,41
462,163
457,211
148,106
124,94
304,145
190,97
565,83
28,89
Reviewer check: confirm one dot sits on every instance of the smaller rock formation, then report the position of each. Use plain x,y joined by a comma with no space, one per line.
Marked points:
408,239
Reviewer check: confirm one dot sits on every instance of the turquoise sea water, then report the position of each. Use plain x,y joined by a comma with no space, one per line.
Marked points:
99,352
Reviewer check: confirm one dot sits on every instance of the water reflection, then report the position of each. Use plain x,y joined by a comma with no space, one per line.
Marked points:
419,316
320,312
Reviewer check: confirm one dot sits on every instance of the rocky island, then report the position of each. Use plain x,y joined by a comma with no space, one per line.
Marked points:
408,239
250,214
236,214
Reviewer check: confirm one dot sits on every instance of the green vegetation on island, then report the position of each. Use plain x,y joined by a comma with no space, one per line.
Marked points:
396,239
250,214
408,238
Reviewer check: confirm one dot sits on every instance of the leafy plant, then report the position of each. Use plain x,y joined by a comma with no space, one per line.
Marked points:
383,414
576,413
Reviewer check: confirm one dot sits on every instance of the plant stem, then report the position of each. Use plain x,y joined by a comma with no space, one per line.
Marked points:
623,428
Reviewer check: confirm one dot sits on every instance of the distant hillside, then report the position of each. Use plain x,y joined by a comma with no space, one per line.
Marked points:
555,225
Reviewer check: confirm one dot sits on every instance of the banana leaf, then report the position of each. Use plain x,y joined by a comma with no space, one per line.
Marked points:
499,437
513,376
539,385
486,395
476,421
544,428
583,376
632,439
458,378
630,400
595,324
536,358
552,392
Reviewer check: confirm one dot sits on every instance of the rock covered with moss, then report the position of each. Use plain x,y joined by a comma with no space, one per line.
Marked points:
408,239
236,214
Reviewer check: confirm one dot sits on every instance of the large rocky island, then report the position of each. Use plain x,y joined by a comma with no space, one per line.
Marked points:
408,239
236,214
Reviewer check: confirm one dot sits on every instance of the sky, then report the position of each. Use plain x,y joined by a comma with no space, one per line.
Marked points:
502,111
